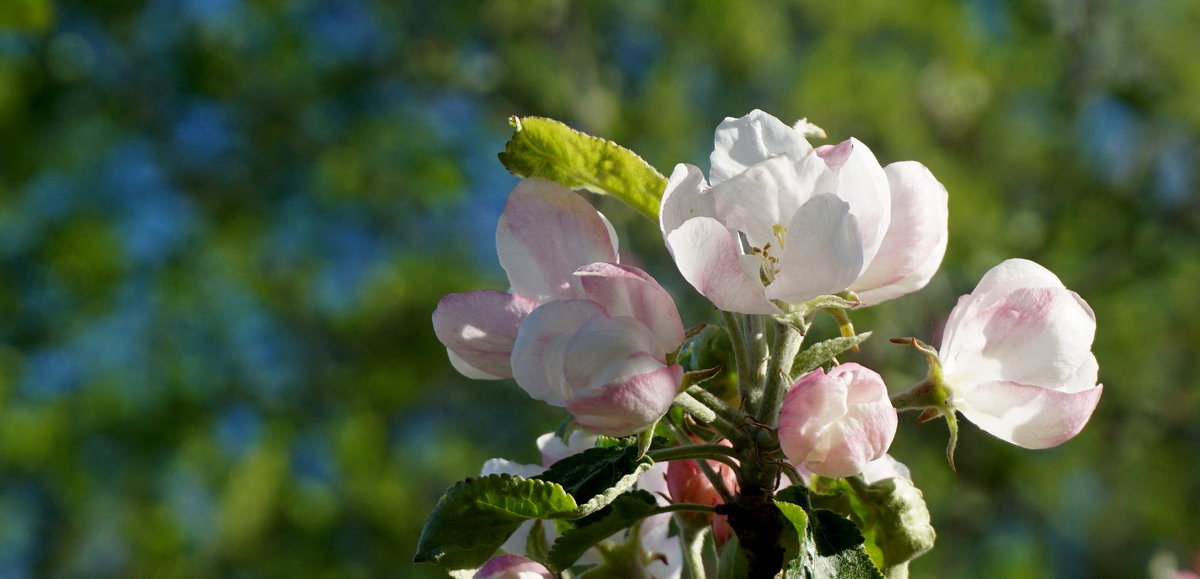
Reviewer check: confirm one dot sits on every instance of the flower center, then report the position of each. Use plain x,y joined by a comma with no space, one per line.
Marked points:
770,263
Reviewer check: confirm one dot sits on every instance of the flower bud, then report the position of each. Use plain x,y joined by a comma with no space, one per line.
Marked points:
834,424
512,567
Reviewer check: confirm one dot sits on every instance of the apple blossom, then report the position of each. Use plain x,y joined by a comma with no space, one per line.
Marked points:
835,423
604,359
1016,356
546,232
783,221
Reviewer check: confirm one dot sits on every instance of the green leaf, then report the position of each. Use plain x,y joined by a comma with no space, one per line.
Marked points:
833,547
626,510
595,477
818,354
896,520
546,148
477,515
732,561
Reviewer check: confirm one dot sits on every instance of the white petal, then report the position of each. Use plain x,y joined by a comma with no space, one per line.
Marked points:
686,196
606,350
740,143
822,252
708,258
1028,416
768,194
537,357
478,329
1037,336
628,291
857,178
916,237
546,232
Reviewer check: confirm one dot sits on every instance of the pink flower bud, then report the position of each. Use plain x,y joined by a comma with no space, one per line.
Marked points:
834,424
687,484
512,567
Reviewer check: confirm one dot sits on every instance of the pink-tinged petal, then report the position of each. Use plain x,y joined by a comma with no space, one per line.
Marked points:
1011,275
629,405
537,355
858,179
478,329
628,291
605,350
822,252
916,238
709,259
835,424
466,369
740,143
766,195
1028,416
512,567
686,196
545,233
1036,336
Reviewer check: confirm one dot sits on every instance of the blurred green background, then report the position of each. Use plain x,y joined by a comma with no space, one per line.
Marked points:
224,225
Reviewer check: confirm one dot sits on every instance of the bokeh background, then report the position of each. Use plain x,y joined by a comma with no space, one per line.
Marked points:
224,225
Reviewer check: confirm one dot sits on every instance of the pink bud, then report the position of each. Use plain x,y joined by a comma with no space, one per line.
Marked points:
512,567
687,484
834,424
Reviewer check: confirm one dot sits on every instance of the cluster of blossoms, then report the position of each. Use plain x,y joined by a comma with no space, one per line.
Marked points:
779,232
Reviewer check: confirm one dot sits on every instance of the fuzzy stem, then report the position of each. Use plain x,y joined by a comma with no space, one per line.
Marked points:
752,387
741,356
788,340
702,408
701,451
692,539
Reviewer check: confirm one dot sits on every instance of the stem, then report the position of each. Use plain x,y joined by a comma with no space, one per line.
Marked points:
705,413
683,508
692,537
752,387
788,340
700,451
741,357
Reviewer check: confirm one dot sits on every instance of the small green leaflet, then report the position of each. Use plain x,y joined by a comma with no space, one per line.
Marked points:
821,352
596,476
542,147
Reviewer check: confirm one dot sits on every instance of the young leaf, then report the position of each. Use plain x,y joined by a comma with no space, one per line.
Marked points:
543,147
626,510
822,352
477,515
897,520
595,477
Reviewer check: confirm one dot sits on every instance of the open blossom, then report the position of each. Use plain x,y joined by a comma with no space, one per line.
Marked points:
578,330
835,424
604,359
546,233
784,221
1016,356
